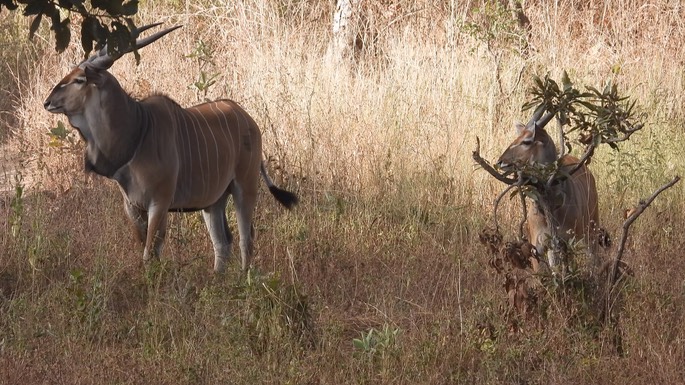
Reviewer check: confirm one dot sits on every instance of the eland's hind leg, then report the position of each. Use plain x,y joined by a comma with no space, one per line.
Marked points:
217,225
245,198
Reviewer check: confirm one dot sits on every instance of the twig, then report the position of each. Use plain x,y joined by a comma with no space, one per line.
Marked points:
486,166
583,159
499,198
524,217
641,207
626,134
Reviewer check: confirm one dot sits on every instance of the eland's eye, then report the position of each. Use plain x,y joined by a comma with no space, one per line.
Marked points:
527,142
80,80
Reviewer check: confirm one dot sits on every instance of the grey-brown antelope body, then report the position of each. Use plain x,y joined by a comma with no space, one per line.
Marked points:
572,202
165,157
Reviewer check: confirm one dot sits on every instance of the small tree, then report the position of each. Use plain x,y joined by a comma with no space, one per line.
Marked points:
585,119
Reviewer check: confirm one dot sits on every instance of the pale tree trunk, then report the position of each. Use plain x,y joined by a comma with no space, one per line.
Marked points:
344,41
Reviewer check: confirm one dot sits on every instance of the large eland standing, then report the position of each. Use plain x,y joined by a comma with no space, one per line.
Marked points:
165,157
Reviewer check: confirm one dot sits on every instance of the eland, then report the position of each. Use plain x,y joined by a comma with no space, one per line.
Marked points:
167,158
570,203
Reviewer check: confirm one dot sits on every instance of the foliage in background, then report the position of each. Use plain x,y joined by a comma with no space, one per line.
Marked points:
102,21
203,54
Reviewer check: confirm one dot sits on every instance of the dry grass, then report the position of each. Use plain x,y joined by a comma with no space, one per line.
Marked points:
386,235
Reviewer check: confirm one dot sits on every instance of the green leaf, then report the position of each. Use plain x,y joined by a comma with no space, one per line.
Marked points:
100,33
60,131
88,33
66,4
9,4
99,4
129,8
114,7
566,81
34,25
35,7
62,34
119,40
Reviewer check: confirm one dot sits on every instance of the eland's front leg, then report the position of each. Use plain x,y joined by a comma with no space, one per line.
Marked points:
156,231
138,218
217,225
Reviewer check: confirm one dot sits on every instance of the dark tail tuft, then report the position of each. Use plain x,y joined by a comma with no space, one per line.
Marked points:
286,198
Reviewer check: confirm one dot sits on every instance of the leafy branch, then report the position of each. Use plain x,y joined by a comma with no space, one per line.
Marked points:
594,117
102,21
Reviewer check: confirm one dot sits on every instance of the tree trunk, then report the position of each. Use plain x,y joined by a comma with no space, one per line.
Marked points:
344,41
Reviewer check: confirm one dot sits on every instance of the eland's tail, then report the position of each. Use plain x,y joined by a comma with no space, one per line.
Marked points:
284,197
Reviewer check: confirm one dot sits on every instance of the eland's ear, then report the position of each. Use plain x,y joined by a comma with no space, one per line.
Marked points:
521,128
93,76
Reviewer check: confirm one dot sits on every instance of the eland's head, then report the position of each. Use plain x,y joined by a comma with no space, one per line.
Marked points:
532,144
85,83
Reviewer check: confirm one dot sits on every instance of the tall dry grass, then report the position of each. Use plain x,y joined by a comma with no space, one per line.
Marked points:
385,238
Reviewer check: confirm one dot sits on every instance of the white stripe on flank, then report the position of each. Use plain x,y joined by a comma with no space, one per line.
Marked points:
189,160
216,111
196,125
173,115
216,149
239,145
228,129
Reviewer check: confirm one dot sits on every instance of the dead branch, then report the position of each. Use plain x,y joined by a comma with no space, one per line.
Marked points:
518,182
524,217
497,201
584,159
486,166
641,207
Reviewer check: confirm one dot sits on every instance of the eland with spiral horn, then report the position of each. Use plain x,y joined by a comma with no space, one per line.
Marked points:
165,157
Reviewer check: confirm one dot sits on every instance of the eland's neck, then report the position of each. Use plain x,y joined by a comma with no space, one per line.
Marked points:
112,126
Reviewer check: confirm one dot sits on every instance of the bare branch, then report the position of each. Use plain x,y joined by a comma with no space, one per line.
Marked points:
486,166
497,201
524,209
641,207
584,159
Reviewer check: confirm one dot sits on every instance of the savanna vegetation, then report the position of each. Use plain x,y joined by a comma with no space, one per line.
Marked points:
378,276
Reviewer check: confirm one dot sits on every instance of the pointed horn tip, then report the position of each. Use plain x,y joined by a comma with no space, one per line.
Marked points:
144,28
137,31
140,43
